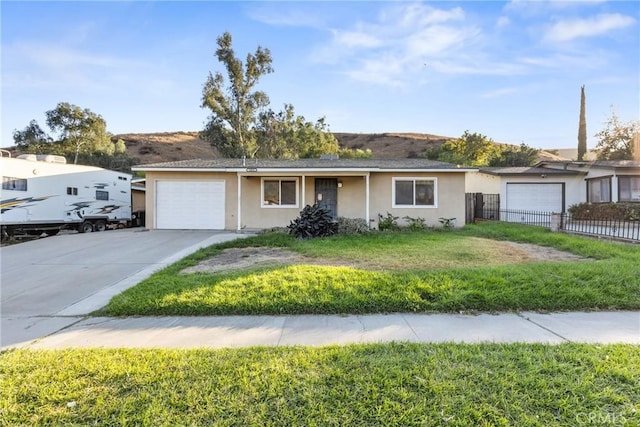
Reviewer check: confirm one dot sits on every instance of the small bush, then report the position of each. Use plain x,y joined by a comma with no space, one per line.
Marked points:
447,223
388,223
352,226
606,211
415,224
314,221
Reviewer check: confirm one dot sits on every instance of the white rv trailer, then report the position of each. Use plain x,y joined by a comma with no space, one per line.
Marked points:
43,194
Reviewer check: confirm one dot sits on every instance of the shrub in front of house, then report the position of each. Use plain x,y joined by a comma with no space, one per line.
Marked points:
388,223
415,224
314,221
606,211
352,226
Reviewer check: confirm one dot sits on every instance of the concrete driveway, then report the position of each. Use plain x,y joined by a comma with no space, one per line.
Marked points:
48,284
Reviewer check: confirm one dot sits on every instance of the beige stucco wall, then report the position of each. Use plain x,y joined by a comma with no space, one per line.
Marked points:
138,200
254,215
450,198
351,197
351,200
478,182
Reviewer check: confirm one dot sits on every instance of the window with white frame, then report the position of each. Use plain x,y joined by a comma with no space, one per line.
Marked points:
280,192
15,184
629,188
599,190
415,192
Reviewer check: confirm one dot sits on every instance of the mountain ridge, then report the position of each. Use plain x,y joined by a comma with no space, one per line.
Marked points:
186,145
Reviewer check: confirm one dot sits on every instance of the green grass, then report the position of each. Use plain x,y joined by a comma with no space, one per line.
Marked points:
443,272
396,384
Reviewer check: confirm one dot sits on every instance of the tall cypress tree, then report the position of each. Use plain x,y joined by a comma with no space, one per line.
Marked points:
582,128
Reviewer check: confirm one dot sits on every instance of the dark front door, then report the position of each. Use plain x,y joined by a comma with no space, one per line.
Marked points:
327,194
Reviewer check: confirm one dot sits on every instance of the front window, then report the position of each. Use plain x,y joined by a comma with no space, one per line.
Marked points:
599,190
629,188
414,192
279,192
15,184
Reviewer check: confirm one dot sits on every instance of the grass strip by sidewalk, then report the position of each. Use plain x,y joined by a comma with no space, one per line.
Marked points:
383,384
610,282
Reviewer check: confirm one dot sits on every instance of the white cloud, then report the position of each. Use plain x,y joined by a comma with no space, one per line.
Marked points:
57,57
541,7
394,48
418,15
286,17
387,70
473,66
438,39
54,67
356,39
503,22
568,30
558,61
500,92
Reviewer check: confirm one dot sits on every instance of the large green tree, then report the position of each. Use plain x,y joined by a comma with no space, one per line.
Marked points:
284,135
582,128
522,155
78,133
616,139
234,108
476,149
32,137
80,130
472,149
241,123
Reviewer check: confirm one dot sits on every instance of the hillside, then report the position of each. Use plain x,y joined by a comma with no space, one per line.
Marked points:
171,146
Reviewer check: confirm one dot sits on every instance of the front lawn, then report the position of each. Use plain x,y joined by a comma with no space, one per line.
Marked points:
357,385
399,272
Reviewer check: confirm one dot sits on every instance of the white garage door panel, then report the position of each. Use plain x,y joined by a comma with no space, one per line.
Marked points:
190,205
535,197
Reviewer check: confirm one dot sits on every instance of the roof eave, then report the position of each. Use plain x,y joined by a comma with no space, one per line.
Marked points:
300,170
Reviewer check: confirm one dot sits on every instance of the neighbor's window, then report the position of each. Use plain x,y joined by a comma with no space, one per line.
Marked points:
279,192
102,195
16,184
599,190
414,192
629,188
72,191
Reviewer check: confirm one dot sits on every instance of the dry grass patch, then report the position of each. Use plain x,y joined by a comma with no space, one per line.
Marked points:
474,252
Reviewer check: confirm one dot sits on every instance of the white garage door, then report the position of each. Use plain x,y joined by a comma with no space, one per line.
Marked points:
535,197
190,205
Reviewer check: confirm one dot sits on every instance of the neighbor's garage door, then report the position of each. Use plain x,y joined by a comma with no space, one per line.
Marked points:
190,205
535,197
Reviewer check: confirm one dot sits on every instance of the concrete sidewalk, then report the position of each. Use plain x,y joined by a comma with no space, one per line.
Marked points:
242,331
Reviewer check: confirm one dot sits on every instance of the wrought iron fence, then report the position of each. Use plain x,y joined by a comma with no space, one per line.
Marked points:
540,219
613,228
487,207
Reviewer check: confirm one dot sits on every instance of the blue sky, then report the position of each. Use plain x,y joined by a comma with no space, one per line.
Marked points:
510,70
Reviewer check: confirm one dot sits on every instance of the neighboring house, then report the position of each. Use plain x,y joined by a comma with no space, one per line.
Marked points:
233,194
554,186
605,180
